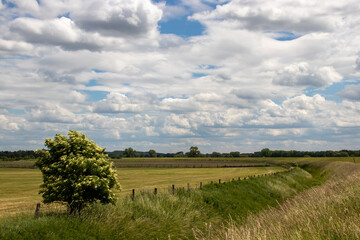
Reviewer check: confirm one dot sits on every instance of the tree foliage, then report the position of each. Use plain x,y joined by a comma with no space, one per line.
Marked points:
265,152
76,172
194,152
130,153
234,154
152,153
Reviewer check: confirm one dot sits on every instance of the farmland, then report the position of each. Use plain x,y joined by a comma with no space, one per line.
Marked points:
196,162
20,186
229,210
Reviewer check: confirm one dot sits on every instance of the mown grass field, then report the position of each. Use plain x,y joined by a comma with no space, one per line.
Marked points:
164,216
318,200
19,186
195,162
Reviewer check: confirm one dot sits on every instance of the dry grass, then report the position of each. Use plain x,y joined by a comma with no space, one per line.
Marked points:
19,187
330,211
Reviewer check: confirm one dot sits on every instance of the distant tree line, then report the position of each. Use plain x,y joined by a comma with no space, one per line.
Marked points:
281,153
194,152
17,155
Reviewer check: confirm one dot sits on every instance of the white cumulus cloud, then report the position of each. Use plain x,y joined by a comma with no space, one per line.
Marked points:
116,103
302,74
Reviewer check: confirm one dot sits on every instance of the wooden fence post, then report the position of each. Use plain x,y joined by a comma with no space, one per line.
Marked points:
37,210
219,181
173,189
133,195
155,191
200,185
188,189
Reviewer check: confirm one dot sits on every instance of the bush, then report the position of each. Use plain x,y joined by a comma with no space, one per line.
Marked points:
76,172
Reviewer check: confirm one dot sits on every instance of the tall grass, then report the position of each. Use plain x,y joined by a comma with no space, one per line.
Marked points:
329,211
163,216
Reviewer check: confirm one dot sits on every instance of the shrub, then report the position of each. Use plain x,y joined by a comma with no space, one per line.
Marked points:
76,171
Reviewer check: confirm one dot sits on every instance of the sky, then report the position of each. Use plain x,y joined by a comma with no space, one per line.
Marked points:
222,75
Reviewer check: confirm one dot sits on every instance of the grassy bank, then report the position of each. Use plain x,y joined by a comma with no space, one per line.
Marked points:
164,215
329,211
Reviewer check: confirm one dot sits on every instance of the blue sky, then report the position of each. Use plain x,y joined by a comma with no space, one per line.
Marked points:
166,75
182,27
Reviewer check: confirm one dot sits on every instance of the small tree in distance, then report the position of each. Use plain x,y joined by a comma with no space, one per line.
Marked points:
194,152
234,154
76,172
265,152
152,153
130,153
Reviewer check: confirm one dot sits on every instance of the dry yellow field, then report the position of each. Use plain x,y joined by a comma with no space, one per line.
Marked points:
19,187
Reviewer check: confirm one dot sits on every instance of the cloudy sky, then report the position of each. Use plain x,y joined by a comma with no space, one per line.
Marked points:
223,75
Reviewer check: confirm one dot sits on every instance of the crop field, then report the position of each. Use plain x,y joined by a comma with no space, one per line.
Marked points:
277,206
259,208
20,186
196,162
166,215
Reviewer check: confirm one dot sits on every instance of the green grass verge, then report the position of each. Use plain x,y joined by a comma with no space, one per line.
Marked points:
329,211
165,215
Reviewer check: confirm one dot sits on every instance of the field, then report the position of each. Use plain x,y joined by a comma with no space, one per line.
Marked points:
20,186
317,199
164,216
196,162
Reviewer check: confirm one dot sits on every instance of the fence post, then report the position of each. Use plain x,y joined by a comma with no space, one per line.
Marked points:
188,187
155,191
200,185
37,210
133,195
173,189
219,181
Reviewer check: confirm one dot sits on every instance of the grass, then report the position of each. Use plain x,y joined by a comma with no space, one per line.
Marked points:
18,164
329,211
318,201
19,187
196,162
164,216
242,198
223,162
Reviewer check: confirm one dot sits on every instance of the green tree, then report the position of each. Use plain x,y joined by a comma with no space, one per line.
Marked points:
179,154
216,154
76,171
152,153
234,154
194,152
265,152
130,153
